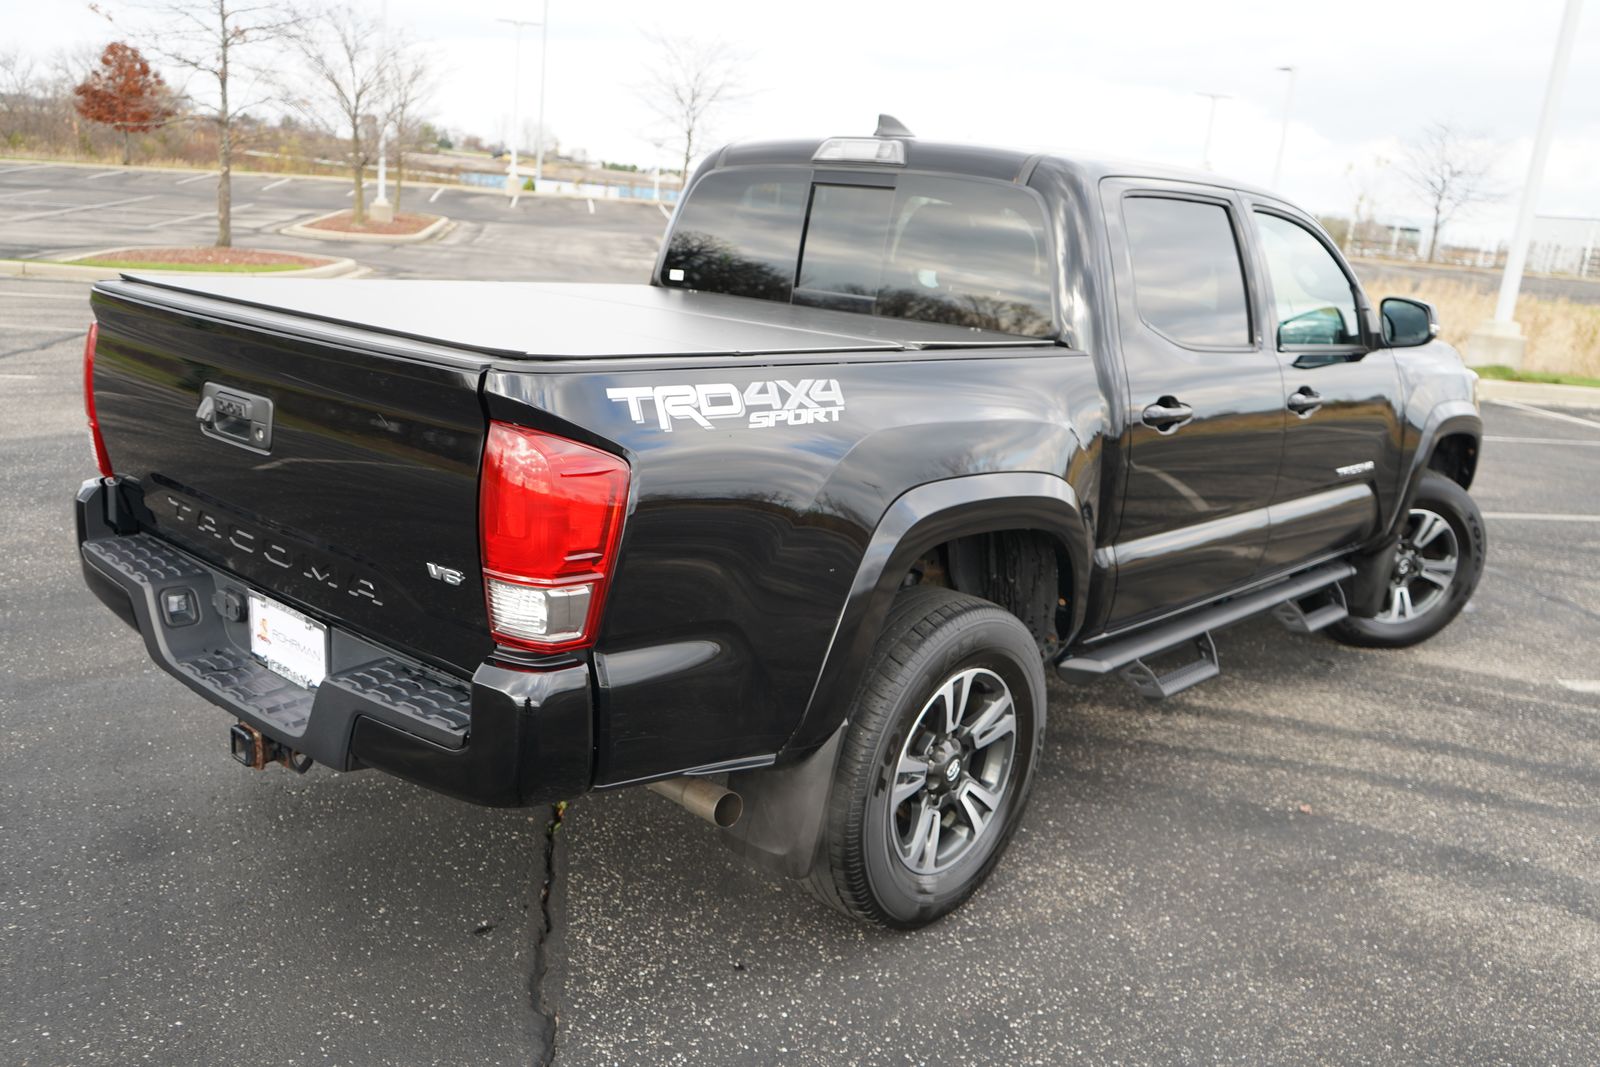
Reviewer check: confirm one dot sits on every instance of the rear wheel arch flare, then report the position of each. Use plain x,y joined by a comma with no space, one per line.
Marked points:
916,525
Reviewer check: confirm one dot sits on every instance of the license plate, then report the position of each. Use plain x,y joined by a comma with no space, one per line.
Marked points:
287,642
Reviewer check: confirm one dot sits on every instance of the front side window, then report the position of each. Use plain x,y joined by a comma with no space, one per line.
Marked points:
1314,303
953,250
1188,280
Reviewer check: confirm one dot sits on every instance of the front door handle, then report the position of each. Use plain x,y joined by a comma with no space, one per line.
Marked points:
1304,400
1167,414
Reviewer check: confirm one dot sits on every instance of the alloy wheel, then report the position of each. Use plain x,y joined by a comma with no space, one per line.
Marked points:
1424,567
954,771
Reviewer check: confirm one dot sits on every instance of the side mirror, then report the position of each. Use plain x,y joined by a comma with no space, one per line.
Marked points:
1407,323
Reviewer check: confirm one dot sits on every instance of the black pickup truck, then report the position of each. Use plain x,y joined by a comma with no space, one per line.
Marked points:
794,531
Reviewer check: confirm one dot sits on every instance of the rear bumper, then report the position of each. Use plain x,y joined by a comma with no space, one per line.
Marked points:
507,737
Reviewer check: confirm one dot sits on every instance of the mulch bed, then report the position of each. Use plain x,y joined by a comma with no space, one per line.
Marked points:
404,224
247,257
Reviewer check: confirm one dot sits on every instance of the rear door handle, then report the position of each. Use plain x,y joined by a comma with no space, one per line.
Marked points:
1304,400
1167,414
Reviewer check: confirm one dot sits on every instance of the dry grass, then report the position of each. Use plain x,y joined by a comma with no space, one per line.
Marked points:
1563,336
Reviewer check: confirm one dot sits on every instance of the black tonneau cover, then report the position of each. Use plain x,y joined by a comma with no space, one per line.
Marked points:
540,320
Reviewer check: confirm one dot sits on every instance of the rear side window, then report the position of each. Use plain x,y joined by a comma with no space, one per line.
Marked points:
1188,280
953,250
739,234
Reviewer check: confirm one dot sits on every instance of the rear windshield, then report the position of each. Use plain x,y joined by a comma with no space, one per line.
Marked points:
936,249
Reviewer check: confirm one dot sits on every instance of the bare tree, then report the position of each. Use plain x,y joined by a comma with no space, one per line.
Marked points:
350,65
411,84
1451,172
690,81
220,42
19,92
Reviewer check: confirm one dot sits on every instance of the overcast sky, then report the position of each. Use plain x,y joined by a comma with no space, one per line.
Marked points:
1108,79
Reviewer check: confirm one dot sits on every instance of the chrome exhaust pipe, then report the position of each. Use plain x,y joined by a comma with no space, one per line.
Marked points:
708,800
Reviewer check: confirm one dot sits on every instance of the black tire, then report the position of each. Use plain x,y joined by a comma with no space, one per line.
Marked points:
1468,545
933,639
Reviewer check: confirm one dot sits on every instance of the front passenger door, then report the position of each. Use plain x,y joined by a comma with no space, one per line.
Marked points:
1341,443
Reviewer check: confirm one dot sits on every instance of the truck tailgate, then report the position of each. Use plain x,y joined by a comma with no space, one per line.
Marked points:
328,471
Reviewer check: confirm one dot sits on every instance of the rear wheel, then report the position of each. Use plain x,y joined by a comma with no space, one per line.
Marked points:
937,762
1436,568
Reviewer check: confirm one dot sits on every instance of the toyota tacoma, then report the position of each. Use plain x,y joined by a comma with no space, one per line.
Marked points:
794,532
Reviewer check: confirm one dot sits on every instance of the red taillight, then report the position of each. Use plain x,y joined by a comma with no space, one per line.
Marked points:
100,455
549,514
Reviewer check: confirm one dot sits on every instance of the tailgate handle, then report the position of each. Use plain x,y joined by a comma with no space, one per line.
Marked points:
239,418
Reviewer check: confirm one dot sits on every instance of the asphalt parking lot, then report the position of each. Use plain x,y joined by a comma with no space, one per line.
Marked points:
57,211
1325,855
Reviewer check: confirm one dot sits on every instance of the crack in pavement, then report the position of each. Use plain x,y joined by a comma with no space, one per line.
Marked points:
41,346
548,947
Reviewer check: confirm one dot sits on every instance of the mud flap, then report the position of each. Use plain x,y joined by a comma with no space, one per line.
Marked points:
784,809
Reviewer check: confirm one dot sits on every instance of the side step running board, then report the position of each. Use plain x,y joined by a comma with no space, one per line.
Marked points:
1313,612
1127,654
1152,686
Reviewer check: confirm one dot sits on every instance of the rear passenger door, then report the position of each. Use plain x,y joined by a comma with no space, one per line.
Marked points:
1204,419
1341,394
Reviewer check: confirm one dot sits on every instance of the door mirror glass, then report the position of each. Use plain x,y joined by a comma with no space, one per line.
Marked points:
1408,323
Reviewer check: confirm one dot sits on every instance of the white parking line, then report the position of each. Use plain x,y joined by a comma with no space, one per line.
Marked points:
80,207
435,195
351,192
197,215
1540,441
514,198
6,327
1530,409
104,174
664,212
195,178
80,297
1539,516
28,166
591,205
20,192
273,185
1580,685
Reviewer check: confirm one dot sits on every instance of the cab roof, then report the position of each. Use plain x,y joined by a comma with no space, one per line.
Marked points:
978,161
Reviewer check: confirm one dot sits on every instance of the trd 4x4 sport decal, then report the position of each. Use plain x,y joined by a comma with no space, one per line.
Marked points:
761,404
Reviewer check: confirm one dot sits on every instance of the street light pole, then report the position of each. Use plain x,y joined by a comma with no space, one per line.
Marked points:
1211,118
513,187
544,52
382,210
1283,132
1500,340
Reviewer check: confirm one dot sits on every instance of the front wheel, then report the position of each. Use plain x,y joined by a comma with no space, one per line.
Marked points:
937,761
1436,568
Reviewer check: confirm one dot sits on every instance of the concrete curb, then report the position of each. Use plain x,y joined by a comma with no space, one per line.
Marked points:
306,229
1571,396
29,268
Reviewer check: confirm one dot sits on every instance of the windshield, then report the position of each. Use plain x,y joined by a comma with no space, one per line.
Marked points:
953,250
